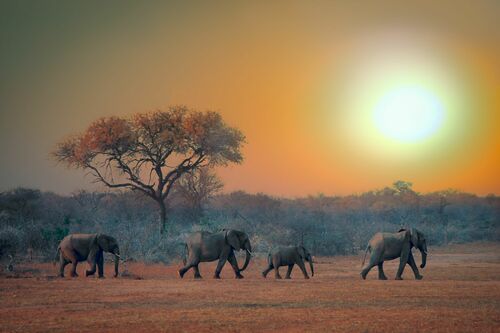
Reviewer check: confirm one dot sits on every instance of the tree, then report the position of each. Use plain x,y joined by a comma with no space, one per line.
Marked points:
197,187
402,186
149,152
409,201
20,202
443,217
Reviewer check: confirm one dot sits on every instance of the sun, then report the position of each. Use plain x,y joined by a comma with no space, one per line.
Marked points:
408,114
395,100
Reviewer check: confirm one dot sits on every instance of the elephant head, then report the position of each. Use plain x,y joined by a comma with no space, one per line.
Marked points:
109,244
239,240
306,255
417,240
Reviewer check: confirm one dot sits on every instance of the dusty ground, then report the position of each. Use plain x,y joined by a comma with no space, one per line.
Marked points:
460,292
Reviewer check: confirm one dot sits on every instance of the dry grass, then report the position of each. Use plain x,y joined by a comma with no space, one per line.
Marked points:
460,292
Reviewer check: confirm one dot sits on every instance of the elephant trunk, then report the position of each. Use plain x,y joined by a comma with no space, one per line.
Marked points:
247,260
424,258
311,264
117,261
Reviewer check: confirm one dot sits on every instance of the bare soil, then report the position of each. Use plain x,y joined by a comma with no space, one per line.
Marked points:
460,292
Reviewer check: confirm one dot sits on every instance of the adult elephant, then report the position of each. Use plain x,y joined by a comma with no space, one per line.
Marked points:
388,246
206,246
76,248
288,256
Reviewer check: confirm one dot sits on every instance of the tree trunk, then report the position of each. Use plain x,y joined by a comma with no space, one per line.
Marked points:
444,217
163,217
446,234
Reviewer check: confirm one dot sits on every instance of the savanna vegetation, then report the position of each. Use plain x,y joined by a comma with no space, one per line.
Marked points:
33,222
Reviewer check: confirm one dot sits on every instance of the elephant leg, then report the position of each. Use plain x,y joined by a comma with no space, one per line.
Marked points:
267,270
73,268
276,265
226,253
403,261
220,265
191,263
92,260
62,264
234,263
186,268
413,265
300,263
197,274
277,273
71,256
100,265
289,271
365,271
381,275
374,260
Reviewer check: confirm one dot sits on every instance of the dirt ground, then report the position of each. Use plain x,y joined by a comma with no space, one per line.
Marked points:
460,292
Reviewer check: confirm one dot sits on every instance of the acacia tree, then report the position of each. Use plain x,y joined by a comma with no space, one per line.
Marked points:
149,152
197,187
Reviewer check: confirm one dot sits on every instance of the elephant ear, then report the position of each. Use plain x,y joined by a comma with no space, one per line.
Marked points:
414,237
233,239
302,251
94,246
103,242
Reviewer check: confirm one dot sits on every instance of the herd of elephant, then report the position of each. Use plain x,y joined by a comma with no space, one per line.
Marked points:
205,247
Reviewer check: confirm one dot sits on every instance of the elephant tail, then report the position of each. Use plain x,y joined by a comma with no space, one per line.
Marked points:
368,248
56,257
184,258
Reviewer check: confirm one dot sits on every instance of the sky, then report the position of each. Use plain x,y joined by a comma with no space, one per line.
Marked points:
334,97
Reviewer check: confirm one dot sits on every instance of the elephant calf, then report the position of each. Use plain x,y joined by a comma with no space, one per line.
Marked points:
80,247
388,246
288,256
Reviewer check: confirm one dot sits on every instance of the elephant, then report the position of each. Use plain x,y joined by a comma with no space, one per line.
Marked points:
389,246
75,248
288,256
205,246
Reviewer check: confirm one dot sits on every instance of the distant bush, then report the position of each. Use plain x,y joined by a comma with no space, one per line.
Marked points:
328,225
10,245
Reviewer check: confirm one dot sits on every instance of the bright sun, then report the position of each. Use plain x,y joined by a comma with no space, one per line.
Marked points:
408,113
395,99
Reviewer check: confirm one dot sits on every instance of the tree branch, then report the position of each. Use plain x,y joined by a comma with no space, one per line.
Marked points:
102,179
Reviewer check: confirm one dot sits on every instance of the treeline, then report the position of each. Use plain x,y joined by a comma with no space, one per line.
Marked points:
33,222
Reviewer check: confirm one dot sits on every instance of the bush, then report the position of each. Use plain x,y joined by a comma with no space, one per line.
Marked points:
326,225
10,244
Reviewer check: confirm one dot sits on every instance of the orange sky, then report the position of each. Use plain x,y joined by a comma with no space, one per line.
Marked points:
283,72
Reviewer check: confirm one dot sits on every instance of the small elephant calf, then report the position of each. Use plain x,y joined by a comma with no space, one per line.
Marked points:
288,256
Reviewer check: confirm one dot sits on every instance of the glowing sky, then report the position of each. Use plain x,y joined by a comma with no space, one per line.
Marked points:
316,88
